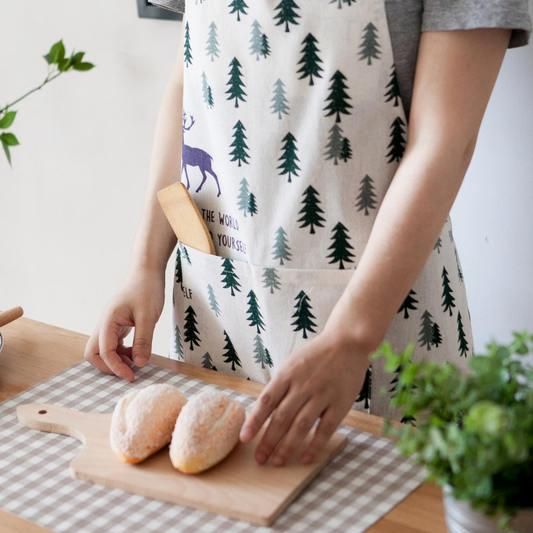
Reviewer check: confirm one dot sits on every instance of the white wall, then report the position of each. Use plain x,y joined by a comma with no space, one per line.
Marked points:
70,206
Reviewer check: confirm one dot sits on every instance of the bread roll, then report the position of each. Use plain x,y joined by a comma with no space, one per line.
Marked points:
143,421
206,431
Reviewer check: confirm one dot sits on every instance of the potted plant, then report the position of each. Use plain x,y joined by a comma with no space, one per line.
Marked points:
472,432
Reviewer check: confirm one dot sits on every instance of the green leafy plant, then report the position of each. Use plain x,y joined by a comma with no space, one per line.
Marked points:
473,430
58,63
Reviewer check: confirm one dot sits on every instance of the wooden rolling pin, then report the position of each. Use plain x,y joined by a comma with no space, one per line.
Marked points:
11,314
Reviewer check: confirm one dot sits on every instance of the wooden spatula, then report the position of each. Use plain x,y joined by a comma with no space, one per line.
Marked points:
185,218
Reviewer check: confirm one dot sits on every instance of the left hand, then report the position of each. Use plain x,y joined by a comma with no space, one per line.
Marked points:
319,381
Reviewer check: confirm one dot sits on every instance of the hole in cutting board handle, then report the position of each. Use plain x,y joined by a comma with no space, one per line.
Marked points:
43,411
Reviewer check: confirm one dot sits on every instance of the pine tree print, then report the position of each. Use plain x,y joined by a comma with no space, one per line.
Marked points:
426,330
338,97
191,334
213,303
256,40
210,99
212,49
206,91
255,318
366,199
311,211
289,157
335,144
409,304
340,3
244,196
346,150
370,48
340,246
438,245
280,105
178,346
265,46
281,249
448,300
186,254
310,60
397,140
286,13
207,362
240,148
230,353
365,394
235,84
271,279
238,6
459,269
303,315
178,274
252,204
395,380
230,279
187,49
437,337
261,355
463,343
393,89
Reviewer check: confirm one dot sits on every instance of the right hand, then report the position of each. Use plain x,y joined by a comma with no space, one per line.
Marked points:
138,305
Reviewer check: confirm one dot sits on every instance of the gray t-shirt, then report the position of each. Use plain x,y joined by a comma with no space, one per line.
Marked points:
408,18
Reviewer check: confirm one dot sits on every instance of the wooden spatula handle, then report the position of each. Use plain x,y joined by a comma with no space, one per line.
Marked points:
11,314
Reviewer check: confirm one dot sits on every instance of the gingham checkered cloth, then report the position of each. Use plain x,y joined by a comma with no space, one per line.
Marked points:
360,485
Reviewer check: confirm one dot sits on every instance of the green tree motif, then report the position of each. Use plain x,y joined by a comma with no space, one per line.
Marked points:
286,13
393,89
255,318
311,211
178,273
281,249
256,40
265,46
178,346
365,394
397,140
261,355
213,50
303,315
409,304
337,100
230,279
459,269
186,254
346,150
340,246
238,6
289,157
438,245
240,148
280,105
437,337
271,279
310,60
210,99
252,204
341,3
244,196
235,83
213,303
366,199
230,353
191,333
448,300
207,362
206,91
187,49
370,47
463,343
425,337
335,144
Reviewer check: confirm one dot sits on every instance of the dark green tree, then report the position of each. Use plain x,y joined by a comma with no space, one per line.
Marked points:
244,196
187,49
289,157
230,353
213,49
310,60
303,315
397,140
230,279
268,359
235,84
393,89
280,105
191,334
178,273
213,303
459,269
256,40
437,337
281,249
394,381
448,300
365,394
408,304
340,246
265,47
210,99
438,245
240,148
271,279
370,48
207,93
311,211
207,362
366,199
337,100
238,6
178,346
425,337
341,3
286,13
252,204
186,254
261,354
335,142
463,343
255,318
346,150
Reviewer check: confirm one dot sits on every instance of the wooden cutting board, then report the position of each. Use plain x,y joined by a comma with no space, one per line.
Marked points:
237,487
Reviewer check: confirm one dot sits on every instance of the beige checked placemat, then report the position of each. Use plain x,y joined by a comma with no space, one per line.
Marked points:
363,483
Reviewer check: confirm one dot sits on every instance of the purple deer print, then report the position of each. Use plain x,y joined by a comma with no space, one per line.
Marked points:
196,157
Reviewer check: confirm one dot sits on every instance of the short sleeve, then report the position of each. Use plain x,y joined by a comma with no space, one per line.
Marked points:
470,14
177,6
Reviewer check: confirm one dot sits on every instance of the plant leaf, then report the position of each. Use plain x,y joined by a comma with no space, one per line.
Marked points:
9,139
56,53
83,66
7,119
6,150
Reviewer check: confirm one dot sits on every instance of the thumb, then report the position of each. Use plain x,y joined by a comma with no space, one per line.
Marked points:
142,341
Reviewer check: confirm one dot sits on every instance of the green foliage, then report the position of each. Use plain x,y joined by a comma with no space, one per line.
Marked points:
474,430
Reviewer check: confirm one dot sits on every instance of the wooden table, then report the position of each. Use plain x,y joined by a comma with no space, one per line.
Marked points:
35,351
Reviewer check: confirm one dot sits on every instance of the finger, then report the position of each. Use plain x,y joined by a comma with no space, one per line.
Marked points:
264,405
92,356
280,422
293,441
125,354
328,424
108,343
142,340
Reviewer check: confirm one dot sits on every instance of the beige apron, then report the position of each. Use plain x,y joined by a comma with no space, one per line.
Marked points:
293,128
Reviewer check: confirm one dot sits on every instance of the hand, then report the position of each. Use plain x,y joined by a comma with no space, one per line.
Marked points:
318,382
138,305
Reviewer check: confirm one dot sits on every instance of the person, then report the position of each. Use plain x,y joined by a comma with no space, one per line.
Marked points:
324,143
